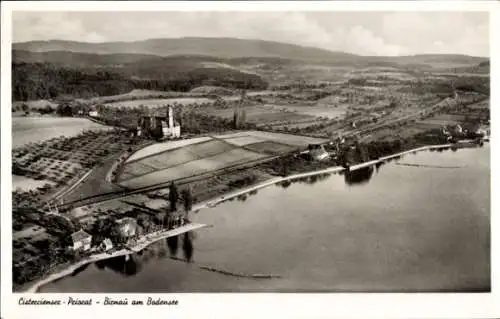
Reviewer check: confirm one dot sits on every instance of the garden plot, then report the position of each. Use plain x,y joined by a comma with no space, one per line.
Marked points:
160,147
185,154
272,148
137,169
202,150
243,140
167,159
193,168
289,139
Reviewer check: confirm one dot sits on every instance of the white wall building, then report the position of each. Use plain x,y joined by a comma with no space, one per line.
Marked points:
93,114
81,240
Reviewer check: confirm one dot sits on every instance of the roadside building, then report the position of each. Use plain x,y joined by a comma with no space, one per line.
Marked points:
81,240
94,114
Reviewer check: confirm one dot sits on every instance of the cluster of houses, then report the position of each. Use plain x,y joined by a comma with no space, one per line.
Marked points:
125,231
454,130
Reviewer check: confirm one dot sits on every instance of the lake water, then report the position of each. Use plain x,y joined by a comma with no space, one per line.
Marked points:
394,228
36,129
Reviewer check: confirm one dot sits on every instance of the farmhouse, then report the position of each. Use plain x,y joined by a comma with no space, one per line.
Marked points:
81,240
160,121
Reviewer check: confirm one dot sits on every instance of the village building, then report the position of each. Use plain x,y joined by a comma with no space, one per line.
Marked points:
125,229
318,152
93,113
81,240
175,219
159,120
106,245
483,130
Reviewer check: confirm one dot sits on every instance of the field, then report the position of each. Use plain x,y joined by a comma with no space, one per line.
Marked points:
196,167
158,102
170,161
47,168
160,147
289,139
262,114
26,184
330,111
36,129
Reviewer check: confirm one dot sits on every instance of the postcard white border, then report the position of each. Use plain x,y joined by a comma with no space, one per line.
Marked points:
256,305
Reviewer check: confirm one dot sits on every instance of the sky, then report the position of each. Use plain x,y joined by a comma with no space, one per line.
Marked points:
364,33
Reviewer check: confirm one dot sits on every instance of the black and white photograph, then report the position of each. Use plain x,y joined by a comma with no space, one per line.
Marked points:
230,151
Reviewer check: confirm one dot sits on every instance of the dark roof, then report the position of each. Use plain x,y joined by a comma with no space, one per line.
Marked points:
80,235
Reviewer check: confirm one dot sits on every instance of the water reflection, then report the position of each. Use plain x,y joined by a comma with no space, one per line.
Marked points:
173,245
132,264
359,176
79,270
187,247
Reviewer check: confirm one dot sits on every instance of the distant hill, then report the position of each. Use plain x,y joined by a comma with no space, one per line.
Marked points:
217,47
47,69
237,50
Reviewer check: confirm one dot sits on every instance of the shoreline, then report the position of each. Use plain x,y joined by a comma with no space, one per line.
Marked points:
103,256
219,199
210,203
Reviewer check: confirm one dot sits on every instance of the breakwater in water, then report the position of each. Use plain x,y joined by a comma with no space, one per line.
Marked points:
229,273
427,166
400,229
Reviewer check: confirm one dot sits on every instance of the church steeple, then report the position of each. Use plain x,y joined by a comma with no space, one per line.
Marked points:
170,117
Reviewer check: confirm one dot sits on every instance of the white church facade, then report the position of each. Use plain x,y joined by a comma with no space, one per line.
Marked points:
159,120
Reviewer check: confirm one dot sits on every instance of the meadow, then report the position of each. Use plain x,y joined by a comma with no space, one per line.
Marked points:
158,102
37,129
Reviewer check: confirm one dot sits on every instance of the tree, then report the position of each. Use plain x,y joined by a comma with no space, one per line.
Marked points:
173,244
25,108
236,118
187,197
187,247
173,196
242,119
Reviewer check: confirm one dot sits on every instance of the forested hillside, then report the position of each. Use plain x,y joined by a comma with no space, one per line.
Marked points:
31,81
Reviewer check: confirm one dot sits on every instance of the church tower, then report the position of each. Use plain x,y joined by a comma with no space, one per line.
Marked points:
170,117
